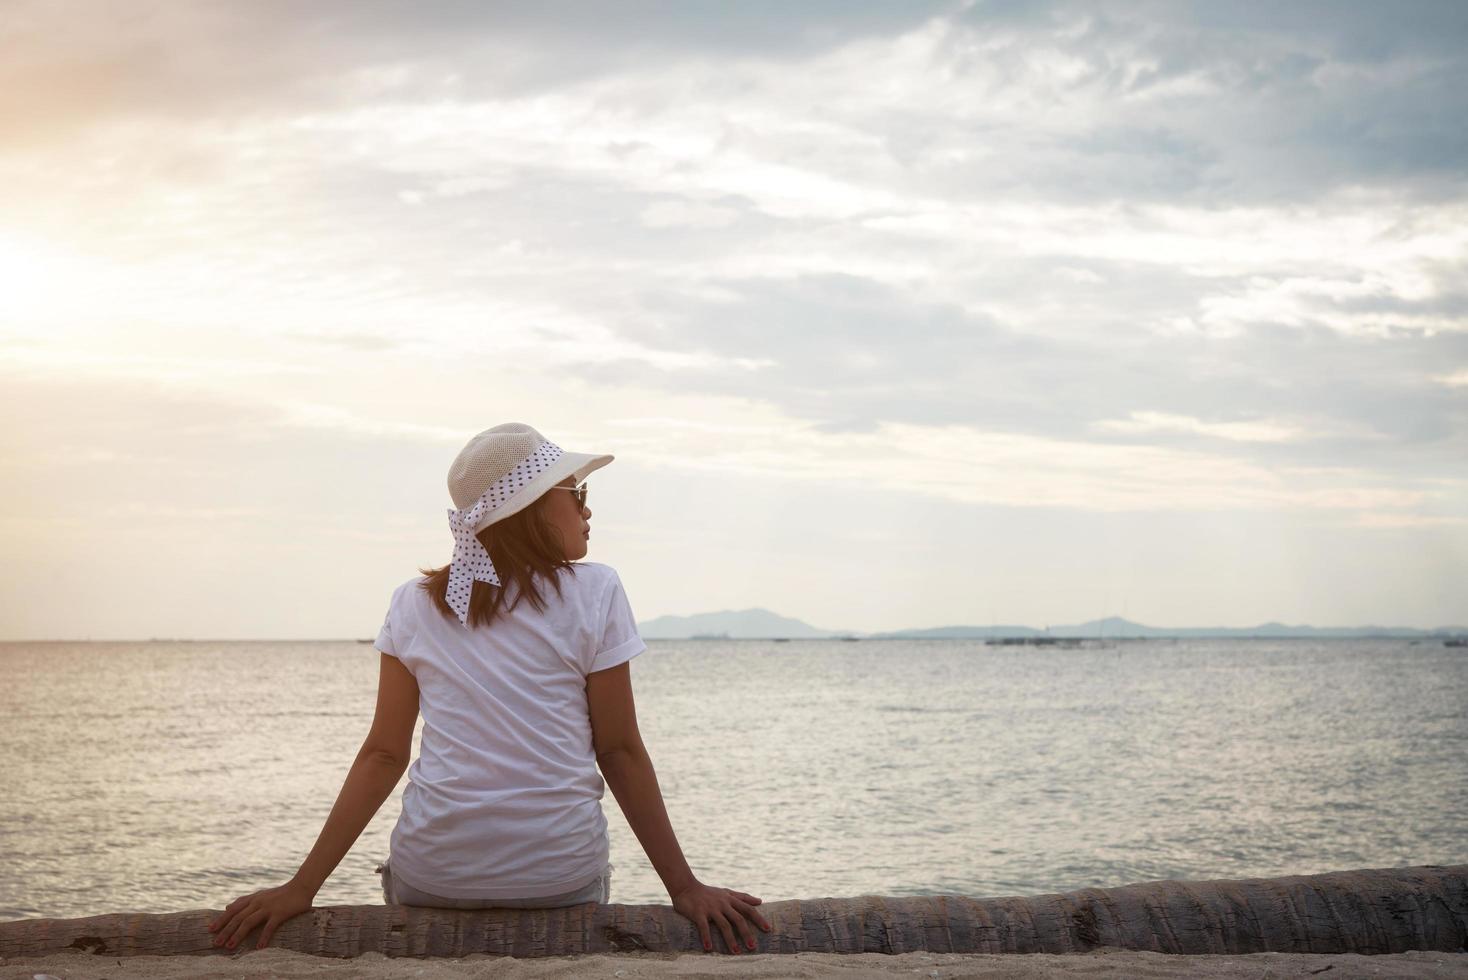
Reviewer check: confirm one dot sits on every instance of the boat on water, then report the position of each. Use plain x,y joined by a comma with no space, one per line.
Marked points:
1035,641
1455,643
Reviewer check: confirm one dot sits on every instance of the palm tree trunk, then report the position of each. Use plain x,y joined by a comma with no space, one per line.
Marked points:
1389,910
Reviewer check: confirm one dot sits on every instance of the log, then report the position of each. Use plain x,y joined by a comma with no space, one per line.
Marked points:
1384,910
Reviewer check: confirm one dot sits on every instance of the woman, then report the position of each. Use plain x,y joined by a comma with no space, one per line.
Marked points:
517,655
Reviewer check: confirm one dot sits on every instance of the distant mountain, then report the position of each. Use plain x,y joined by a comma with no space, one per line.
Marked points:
749,624
741,624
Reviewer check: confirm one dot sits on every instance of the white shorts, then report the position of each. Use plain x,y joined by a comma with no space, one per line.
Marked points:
396,892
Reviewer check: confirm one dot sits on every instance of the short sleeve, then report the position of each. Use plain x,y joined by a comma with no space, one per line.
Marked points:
620,641
384,640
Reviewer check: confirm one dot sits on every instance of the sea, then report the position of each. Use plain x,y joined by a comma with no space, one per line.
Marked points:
168,776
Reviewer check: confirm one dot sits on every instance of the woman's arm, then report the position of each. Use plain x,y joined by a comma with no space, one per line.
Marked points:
379,765
629,773
369,783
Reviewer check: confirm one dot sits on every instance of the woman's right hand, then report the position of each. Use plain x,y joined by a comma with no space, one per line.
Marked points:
268,908
727,908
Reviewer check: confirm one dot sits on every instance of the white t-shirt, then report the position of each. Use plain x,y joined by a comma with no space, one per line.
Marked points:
504,799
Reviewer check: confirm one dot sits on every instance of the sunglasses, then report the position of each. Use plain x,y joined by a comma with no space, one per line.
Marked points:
580,493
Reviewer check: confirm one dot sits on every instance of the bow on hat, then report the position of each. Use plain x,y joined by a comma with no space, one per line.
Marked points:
471,563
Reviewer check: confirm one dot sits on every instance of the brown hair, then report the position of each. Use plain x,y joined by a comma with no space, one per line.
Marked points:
521,546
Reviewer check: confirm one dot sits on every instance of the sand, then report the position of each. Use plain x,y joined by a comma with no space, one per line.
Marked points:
1099,963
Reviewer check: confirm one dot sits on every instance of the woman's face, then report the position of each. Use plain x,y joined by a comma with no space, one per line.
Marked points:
573,523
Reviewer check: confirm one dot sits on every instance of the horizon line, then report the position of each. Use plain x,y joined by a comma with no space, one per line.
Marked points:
835,634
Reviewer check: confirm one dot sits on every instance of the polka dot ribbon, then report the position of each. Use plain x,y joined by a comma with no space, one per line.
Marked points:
471,562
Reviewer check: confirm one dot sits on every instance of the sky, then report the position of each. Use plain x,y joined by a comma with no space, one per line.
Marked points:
893,315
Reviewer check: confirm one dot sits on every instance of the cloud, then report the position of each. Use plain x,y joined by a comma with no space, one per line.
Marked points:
214,58
1094,256
848,352
972,466
1257,102
1065,101
1370,519
1042,219
687,214
1141,423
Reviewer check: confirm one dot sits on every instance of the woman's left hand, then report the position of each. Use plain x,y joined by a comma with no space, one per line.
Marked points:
270,907
728,909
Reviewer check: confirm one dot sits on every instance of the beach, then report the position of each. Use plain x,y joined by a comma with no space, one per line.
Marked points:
635,966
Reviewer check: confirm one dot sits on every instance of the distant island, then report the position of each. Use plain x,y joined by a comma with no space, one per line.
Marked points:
761,624
743,624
